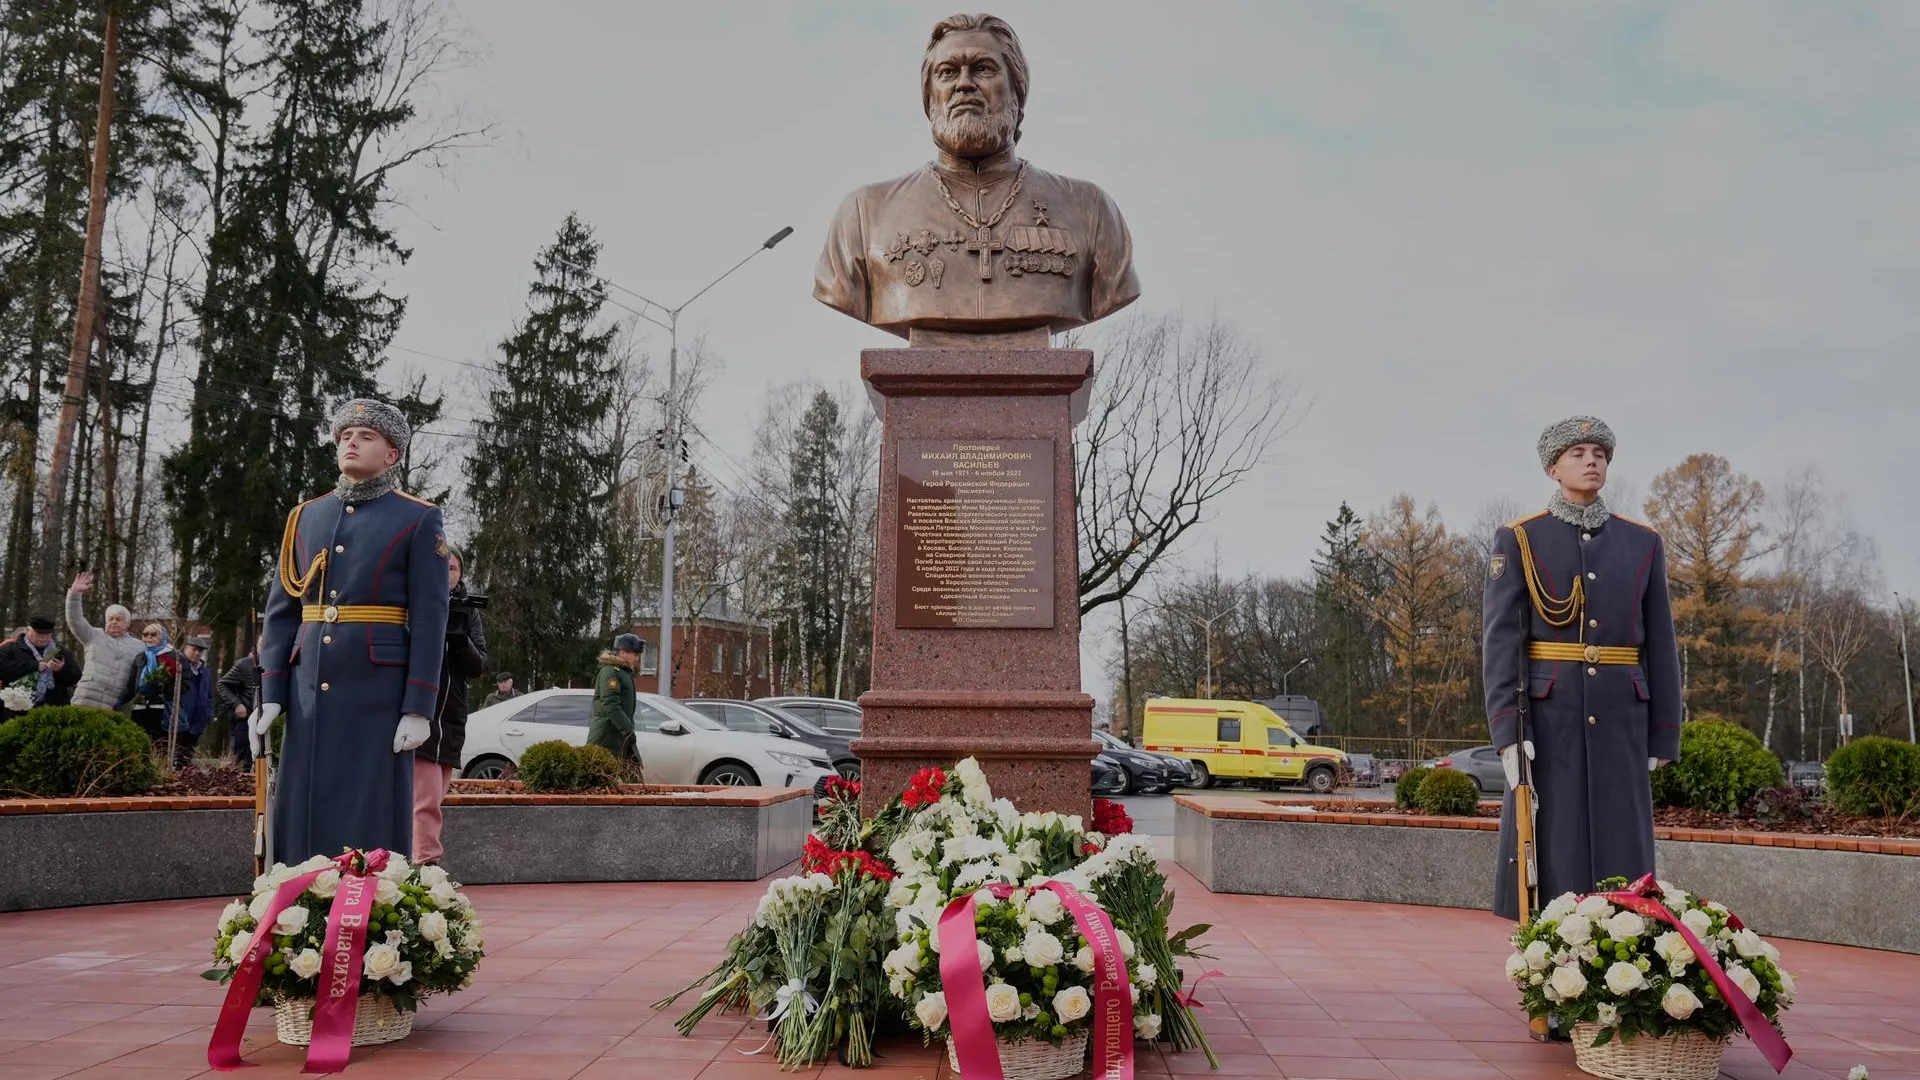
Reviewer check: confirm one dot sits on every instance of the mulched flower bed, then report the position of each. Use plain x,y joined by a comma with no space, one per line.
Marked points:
1821,820
222,778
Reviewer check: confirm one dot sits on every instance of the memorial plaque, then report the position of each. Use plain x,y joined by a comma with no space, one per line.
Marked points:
975,540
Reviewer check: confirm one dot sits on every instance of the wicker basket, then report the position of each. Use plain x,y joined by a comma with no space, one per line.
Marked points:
1683,1055
1035,1059
375,1021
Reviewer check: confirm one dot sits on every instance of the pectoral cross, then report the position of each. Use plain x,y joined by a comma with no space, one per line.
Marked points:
984,243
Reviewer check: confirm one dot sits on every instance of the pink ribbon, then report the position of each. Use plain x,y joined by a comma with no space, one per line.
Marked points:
1638,898
339,995
1191,999
965,985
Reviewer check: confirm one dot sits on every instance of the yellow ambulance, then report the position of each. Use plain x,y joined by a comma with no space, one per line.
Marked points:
1237,740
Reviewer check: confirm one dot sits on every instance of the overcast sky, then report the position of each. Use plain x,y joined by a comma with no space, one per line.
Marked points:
1450,223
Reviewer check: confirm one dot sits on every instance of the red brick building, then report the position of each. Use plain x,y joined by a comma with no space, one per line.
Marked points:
725,656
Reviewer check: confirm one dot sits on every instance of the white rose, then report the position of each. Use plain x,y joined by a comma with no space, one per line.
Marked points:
290,921
1147,1026
397,869
1697,921
1568,982
1679,1001
1042,948
1045,908
1624,925
237,951
1608,1015
1559,908
326,884
1576,929
931,1010
1148,976
1126,943
306,964
1012,955
1715,905
1623,978
1003,1003
386,891
258,908
1747,981
1673,948
1787,988
432,875
232,911
433,926
1537,955
1516,966
402,974
381,961
1084,959
1071,1004
986,954
1594,907
444,896
1748,945
1676,898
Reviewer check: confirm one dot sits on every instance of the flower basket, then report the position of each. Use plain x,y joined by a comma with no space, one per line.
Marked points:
1683,1055
1035,1059
375,1021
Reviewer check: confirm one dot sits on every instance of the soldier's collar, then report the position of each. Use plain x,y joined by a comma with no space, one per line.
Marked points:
363,491
1580,517
984,171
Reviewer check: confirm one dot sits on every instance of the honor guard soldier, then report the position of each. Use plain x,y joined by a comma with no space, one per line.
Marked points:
1576,598
351,649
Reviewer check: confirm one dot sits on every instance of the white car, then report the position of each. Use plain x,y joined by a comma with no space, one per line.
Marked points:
677,745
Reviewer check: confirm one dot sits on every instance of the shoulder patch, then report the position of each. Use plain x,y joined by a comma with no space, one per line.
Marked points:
1497,568
613,684
1524,520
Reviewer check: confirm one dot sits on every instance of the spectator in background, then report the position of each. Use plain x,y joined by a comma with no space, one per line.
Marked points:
32,652
152,692
113,656
196,701
502,690
437,758
613,698
239,694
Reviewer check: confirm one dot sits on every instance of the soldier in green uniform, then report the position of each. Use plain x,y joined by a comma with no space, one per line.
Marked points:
613,697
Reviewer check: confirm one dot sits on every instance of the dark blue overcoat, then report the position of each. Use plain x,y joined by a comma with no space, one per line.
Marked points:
1593,726
345,684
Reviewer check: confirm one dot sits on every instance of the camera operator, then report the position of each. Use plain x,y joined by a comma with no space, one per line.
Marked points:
437,758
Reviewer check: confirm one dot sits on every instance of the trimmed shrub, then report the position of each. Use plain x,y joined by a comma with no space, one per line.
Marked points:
556,766
1780,805
69,751
1406,790
1721,766
1875,776
1449,792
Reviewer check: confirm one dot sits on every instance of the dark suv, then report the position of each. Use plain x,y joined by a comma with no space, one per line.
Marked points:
829,714
765,719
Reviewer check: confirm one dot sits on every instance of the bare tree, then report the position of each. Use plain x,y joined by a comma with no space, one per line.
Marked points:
1839,626
1181,413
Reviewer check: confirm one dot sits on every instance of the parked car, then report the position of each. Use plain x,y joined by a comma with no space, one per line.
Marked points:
1362,770
831,714
1807,776
1392,771
677,745
1109,778
763,719
1173,772
1482,763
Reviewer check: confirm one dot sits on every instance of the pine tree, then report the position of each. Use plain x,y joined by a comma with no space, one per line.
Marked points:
815,543
538,472
1343,575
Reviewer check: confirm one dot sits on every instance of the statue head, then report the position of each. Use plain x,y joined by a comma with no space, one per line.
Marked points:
973,85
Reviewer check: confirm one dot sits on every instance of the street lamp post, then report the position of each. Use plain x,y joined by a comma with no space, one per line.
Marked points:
1289,673
671,436
1906,669
1206,625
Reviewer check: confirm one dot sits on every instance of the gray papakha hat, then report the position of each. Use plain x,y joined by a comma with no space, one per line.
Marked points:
378,415
1573,431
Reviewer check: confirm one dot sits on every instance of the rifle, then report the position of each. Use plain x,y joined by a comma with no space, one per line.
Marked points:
1526,856
262,798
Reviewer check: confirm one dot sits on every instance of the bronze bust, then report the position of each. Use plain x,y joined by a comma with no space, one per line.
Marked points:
977,241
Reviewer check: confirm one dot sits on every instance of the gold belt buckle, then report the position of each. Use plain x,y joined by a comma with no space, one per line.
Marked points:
1593,651
331,614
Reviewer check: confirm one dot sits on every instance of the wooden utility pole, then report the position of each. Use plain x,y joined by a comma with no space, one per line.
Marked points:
84,315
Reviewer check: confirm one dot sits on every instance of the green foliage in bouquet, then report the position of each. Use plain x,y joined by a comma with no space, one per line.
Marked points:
1449,792
1592,960
558,767
1721,766
1875,777
1406,790
71,751
424,937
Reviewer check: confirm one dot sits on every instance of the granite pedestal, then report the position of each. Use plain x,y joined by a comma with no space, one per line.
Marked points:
1007,695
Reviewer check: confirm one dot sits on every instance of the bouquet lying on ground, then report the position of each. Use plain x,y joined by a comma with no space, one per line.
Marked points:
874,893
424,936
1598,960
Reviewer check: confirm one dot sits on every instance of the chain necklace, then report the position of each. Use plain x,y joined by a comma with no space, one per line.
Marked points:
1019,178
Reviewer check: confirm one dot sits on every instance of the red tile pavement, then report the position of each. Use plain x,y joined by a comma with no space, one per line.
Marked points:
1314,990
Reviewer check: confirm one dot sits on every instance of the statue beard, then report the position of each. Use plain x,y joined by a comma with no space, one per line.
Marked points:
974,135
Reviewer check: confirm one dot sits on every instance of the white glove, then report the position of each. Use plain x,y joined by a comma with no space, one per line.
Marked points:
258,726
1510,761
411,733
1655,762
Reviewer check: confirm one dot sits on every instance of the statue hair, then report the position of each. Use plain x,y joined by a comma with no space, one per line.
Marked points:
1010,46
